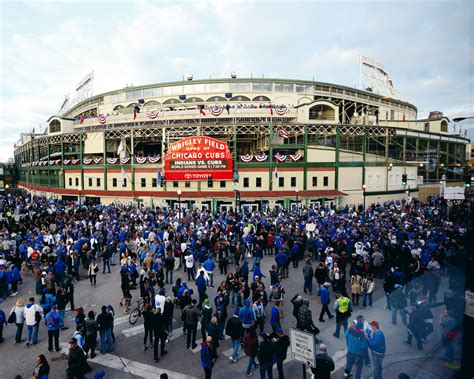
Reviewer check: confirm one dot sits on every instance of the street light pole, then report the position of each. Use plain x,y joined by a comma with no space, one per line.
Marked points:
297,201
364,187
179,205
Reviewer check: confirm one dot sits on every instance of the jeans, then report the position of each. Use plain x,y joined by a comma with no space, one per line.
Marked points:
112,258
364,301
249,366
266,368
33,333
106,263
169,274
62,313
233,297
235,348
211,278
338,327
19,332
106,337
279,363
308,285
377,360
358,360
389,305
403,314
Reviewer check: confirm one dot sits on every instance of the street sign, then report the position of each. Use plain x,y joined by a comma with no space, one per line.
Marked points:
303,347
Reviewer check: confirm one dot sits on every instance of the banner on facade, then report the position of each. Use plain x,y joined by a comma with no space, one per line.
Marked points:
197,158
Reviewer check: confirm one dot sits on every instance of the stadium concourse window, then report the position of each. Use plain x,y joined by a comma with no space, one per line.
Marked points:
246,182
143,182
281,181
258,182
315,181
223,184
325,181
77,182
134,94
154,182
114,182
187,184
98,182
284,87
293,181
90,182
70,182
175,184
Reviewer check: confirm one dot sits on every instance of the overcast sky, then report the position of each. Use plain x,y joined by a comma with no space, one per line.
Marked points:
48,46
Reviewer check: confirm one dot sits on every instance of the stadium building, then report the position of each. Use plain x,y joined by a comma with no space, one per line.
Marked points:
253,142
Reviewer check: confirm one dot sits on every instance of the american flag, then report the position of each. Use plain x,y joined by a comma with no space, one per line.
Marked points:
282,133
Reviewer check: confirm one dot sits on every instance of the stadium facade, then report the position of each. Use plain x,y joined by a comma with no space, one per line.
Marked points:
255,142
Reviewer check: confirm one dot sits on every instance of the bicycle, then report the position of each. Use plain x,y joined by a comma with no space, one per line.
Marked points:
136,312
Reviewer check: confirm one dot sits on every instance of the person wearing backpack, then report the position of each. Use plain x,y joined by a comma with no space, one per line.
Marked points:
54,322
3,320
19,318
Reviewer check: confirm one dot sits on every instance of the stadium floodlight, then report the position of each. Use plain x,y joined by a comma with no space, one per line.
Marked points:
233,75
189,76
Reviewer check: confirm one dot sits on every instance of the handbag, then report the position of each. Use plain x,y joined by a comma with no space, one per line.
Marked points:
96,270
37,316
12,318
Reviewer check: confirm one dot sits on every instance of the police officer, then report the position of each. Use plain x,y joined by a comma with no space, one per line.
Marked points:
343,309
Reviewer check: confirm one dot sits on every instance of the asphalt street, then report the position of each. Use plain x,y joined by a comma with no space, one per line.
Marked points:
130,361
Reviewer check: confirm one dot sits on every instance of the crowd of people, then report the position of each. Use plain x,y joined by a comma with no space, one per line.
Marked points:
407,244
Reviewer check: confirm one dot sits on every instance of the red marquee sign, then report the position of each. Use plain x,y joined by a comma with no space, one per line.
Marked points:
197,158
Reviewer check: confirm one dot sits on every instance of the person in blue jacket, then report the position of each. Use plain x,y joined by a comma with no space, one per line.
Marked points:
210,266
356,349
246,315
54,322
16,278
376,342
281,260
208,356
275,316
59,271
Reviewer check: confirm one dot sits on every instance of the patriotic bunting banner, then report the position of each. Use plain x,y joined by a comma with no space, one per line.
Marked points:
140,160
152,114
67,161
279,157
154,159
102,119
58,161
51,163
282,133
246,158
281,109
112,160
125,160
261,158
295,157
75,161
97,160
87,161
216,110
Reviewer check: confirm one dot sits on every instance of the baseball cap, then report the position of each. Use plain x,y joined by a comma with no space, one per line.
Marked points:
323,347
54,307
73,340
374,323
279,331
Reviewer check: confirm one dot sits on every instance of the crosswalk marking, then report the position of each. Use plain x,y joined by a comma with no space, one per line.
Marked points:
134,368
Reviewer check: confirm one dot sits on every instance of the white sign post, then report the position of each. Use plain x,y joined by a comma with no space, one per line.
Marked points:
303,348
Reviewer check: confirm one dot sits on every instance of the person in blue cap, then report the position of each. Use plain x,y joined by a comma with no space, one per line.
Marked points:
54,323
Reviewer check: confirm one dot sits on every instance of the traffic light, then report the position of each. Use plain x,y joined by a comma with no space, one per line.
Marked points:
467,181
404,179
163,181
209,181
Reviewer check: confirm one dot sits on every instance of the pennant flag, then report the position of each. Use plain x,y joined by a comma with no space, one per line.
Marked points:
158,178
120,148
201,110
282,133
81,120
124,176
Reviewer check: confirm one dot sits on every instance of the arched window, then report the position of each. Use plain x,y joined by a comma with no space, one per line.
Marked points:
172,101
54,126
194,100
151,103
133,105
321,112
216,99
118,107
239,98
444,126
261,98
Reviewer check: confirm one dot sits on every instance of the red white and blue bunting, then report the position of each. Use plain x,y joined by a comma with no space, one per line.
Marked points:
140,160
102,119
216,110
152,114
112,160
261,158
281,110
296,157
87,161
97,160
154,159
279,157
246,158
75,161
67,161
124,160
